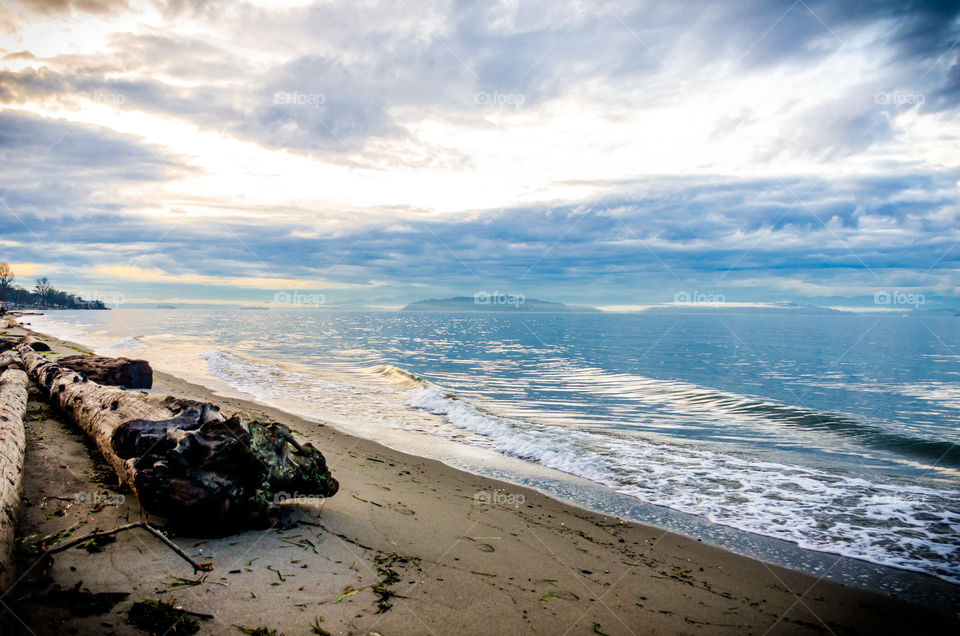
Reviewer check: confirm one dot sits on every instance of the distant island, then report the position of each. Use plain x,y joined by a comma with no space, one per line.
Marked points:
742,308
495,301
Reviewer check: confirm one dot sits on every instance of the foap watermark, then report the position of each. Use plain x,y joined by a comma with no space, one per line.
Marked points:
499,298
111,299
98,499
295,98
897,298
698,298
296,498
899,98
298,298
501,100
498,498
110,99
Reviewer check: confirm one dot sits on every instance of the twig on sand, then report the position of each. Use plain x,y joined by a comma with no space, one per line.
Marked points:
197,567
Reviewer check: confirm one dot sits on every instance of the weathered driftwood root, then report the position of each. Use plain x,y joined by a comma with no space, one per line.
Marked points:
201,458
13,406
197,567
182,458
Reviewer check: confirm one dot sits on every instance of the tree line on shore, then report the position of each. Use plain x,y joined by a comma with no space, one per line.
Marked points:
43,295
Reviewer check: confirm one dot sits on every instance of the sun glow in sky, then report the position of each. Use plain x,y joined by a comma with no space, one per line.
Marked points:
611,154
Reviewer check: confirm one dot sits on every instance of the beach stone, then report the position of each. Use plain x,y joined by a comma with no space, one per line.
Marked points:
131,374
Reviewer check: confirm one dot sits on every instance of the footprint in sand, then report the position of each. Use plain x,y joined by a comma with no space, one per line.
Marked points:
402,509
483,547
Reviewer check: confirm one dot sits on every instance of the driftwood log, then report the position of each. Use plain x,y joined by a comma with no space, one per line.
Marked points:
9,359
130,374
13,407
183,459
35,343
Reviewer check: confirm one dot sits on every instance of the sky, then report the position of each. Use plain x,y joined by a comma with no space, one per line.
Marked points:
617,154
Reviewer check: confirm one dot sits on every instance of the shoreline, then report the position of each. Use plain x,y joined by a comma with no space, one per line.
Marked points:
828,564
529,560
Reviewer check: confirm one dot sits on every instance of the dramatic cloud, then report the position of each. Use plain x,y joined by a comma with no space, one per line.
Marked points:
576,150
52,168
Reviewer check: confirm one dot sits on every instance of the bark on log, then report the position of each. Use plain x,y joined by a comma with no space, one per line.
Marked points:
181,458
13,406
9,359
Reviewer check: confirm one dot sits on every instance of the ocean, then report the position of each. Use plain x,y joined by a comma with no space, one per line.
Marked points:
835,433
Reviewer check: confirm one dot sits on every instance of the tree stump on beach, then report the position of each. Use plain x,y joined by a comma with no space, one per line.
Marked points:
13,407
182,458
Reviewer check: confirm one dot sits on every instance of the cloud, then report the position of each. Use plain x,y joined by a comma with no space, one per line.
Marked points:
946,96
243,147
75,6
369,64
756,239
20,55
51,166
26,271
156,275
65,146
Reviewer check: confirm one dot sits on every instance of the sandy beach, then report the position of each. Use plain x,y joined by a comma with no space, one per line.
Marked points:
408,546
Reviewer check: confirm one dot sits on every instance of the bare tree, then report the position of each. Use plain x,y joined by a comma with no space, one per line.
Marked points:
6,280
42,290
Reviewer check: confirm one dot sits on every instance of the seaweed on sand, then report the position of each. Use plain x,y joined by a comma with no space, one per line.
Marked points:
388,576
160,617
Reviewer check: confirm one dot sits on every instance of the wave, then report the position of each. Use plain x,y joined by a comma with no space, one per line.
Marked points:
894,524
262,378
397,375
130,342
696,401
